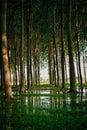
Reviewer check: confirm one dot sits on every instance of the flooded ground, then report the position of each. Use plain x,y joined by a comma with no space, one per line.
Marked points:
44,109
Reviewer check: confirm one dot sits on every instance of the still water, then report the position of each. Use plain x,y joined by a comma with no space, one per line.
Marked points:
44,109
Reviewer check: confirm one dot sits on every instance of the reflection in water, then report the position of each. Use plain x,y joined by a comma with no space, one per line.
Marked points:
53,99
5,115
51,103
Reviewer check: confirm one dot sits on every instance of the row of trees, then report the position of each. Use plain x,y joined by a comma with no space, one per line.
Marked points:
37,30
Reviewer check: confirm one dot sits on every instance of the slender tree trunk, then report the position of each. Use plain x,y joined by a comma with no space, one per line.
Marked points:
56,71
30,42
31,62
78,43
77,66
8,89
62,44
17,58
84,67
29,47
49,51
70,51
66,70
38,70
28,72
54,67
15,62
22,88
36,62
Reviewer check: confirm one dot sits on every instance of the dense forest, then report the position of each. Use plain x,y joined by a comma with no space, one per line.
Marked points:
37,31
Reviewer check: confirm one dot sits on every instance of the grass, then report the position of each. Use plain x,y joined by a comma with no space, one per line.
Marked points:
52,111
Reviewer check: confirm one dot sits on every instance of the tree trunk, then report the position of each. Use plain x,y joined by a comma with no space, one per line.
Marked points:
56,71
78,43
29,47
15,62
22,88
31,61
77,66
70,51
28,70
2,83
36,54
66,73
49,51
84,67
8,89
54,68
62,44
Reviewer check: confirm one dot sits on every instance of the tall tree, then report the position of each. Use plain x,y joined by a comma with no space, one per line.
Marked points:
37,61
49,51
55,54
8,89
29,47
70,50
22,88
78,49
62,44
84,67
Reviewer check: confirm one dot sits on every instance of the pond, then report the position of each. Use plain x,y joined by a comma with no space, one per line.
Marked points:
44,109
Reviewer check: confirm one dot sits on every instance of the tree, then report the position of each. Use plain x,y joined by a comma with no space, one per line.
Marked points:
36,57
62,44
49,51
78,49
22,88
55,53
29,46
8,89
70,50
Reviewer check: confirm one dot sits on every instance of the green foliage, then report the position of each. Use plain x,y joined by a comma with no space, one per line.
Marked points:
42,24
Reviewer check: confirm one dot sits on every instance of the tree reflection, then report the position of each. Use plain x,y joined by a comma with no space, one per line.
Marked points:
43,109
6,115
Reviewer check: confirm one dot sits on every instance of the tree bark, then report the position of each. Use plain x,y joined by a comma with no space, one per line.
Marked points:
29,47
84,67
49,51
70,50
62,45
15,61
22,88
8,89
56,70
36,54
78,51
77,66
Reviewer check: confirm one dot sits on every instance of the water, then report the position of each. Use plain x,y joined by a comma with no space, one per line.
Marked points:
42,109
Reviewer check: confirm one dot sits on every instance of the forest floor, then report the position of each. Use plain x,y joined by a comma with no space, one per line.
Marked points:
44,108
